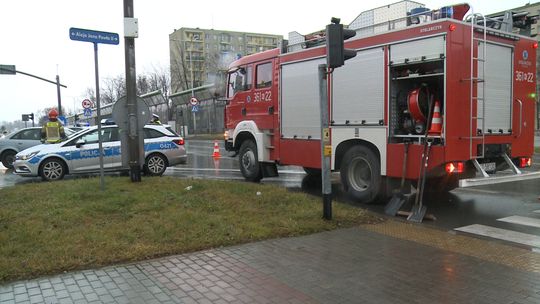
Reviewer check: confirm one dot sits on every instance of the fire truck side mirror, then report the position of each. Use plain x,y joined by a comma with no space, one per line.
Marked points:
336,53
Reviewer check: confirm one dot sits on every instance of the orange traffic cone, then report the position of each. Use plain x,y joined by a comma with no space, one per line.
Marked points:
436,121
216,153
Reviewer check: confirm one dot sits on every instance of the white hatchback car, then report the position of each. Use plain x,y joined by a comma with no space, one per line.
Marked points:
80,153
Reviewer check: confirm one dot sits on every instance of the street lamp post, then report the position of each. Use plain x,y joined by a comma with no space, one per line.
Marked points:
191,75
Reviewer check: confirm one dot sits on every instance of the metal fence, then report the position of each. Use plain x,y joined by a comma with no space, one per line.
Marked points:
206,118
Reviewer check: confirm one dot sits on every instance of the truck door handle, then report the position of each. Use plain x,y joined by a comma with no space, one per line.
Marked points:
244,111
271,110
520,115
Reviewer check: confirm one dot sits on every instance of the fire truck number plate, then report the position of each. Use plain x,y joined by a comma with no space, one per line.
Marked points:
263,96
524,76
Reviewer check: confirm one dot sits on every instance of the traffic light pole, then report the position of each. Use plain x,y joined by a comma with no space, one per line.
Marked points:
12,71
336,54
326,147
59,96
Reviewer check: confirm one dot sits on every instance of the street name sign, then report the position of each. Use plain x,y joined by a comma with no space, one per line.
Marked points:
93,36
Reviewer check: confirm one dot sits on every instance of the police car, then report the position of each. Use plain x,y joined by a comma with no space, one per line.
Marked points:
80,153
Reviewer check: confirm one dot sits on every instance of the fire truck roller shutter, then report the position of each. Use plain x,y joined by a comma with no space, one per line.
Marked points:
358,89
418,50
498,87
300,95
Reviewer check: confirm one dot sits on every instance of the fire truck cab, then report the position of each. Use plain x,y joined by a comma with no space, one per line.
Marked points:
437,79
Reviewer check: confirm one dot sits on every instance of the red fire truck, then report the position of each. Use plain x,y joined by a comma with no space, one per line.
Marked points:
456,83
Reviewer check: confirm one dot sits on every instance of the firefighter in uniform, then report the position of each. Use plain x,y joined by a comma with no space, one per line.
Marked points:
155,120
52,131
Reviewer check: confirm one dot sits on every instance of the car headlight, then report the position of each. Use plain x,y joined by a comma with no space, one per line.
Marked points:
28,156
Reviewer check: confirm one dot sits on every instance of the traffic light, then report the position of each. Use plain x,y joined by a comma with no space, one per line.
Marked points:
336,53
31,116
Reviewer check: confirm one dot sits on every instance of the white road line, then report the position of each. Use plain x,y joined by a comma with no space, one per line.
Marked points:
502,234
521,220
228,170
476,190
202,169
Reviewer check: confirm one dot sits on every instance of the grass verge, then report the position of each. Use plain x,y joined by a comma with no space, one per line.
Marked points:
47,228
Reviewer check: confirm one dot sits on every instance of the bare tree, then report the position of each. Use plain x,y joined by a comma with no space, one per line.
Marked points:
178,72
112,89
90,93
160,79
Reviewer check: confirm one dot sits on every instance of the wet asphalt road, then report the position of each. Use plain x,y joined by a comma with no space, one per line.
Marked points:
461,207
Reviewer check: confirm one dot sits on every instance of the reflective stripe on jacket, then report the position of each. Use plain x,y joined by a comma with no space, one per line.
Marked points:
53,130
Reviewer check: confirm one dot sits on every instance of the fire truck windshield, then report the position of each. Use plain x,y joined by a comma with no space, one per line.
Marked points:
239,80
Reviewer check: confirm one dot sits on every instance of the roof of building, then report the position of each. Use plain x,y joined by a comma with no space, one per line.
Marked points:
531,8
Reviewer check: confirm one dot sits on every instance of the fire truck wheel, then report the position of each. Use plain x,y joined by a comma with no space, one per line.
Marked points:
361,174
249,164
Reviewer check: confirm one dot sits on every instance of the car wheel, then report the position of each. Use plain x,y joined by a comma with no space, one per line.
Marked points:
8,158
155,165
52,169
249,162
361,174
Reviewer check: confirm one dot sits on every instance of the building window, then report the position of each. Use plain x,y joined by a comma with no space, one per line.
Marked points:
225,38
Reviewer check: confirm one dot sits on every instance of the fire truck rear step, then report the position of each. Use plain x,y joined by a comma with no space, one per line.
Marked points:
502,177
472,182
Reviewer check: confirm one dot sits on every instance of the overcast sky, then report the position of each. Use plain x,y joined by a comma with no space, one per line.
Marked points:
34,37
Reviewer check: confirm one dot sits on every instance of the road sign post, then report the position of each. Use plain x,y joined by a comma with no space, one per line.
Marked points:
95,37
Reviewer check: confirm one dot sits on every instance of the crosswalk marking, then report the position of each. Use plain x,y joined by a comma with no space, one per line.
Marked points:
521,220
502,234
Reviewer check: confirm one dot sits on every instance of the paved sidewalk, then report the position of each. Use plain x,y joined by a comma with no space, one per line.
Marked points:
392,262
